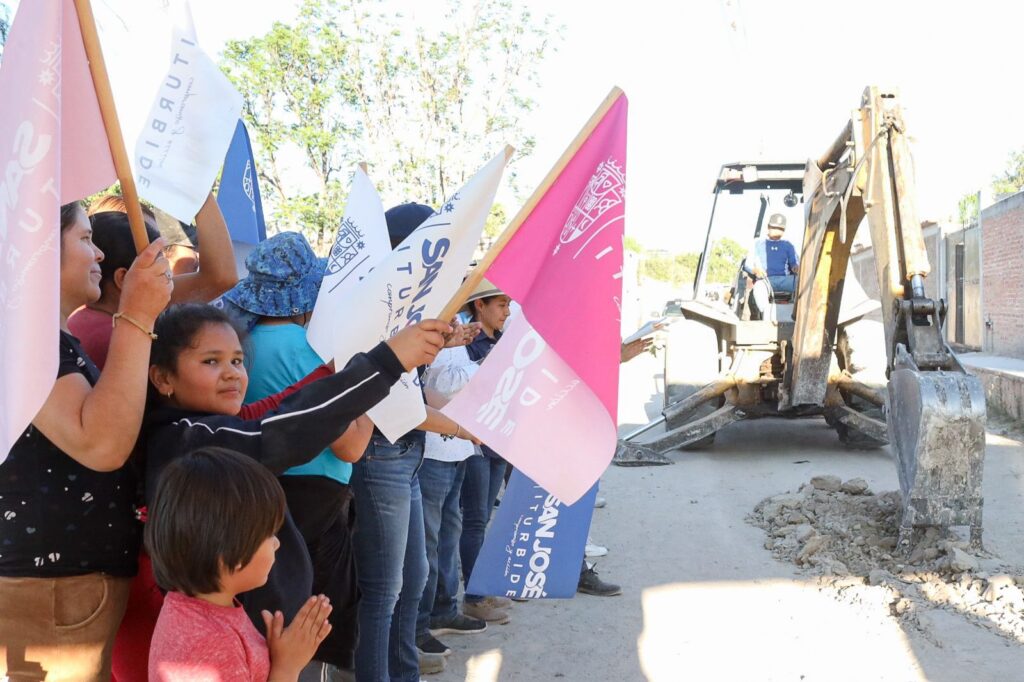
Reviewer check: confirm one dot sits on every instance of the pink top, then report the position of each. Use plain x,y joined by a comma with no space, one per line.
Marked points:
196,641
94,329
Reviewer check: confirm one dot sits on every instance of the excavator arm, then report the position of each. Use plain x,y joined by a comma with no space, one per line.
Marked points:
935,411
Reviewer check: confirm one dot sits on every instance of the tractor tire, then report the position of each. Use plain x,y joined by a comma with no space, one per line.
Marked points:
691,363
861,350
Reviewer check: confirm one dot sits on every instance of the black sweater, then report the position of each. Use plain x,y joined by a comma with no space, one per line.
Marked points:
305,424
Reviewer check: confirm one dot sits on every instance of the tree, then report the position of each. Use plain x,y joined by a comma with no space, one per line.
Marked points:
631,243
5,25
1012,179
350,81
682,268
967,209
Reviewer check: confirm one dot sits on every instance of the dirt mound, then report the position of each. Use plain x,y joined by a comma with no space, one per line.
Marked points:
842,530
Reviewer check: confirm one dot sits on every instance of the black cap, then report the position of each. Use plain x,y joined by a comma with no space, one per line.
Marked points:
405,218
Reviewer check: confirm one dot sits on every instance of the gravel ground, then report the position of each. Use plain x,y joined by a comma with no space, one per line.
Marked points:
704,599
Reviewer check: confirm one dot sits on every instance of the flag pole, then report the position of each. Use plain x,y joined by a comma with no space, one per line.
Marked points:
477,274
115,138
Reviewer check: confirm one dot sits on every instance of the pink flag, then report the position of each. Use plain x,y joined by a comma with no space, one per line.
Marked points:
53,150
549,390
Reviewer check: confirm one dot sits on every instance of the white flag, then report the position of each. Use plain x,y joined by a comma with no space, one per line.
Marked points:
177,110
361,244
412,284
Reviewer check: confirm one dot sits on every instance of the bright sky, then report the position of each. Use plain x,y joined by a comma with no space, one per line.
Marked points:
714,81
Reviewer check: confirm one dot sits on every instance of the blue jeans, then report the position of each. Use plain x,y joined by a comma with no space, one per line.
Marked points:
441,485
484,476
391,560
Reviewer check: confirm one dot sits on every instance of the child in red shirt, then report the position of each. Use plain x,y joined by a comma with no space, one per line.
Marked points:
211,536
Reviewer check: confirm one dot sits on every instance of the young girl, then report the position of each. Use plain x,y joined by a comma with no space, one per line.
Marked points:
211,537
197,370
67,499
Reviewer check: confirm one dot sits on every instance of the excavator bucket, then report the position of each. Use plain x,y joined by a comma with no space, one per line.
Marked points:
937,429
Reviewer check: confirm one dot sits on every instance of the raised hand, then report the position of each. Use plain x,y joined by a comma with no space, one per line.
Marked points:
462,334
292,647
147,285
420,343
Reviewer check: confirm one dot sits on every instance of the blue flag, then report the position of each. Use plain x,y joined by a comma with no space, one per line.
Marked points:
534,547
239,193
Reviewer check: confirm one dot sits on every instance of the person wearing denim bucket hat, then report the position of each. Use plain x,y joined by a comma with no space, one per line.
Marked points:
276,299
284,277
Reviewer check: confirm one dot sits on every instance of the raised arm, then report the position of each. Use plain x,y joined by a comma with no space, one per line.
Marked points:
217,271
97,426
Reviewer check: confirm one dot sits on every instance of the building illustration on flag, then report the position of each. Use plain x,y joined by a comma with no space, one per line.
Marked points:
361,243
546,398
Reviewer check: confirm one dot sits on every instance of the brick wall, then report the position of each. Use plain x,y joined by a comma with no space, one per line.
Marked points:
1002,284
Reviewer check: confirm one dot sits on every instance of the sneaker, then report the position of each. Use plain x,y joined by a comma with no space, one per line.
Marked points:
430,645
486,612
497,602
432,663
594,550
591,584
600,502
460,625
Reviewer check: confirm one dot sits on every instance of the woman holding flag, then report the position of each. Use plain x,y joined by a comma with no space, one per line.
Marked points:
67,497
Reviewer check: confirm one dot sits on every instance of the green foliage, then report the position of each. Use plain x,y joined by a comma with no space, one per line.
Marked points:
632,244
497,220
1012,179
5,25
724,263
967,209
351,80
681,269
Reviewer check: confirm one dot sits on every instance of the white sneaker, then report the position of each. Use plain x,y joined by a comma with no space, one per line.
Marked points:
593,550
599,502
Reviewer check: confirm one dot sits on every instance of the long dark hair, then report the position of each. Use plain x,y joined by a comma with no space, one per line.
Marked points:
112,234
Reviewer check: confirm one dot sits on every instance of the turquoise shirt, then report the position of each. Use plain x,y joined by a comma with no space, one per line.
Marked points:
277,355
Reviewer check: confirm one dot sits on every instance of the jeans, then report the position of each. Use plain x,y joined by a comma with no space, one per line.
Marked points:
441,485
391,559
778,283
484,476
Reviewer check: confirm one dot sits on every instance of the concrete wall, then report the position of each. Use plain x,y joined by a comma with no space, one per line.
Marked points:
1002,281
862,265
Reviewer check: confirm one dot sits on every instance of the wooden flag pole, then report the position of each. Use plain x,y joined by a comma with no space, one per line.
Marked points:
477,274
363,167
115,138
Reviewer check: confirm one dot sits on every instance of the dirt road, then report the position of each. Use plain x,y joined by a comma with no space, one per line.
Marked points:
703,600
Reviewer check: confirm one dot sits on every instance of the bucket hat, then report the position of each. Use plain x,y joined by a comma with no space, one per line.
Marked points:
284,277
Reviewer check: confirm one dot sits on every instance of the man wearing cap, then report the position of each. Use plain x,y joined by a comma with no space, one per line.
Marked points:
772,262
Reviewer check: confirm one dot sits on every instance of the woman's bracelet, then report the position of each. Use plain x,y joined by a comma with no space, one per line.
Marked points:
449,436
147,332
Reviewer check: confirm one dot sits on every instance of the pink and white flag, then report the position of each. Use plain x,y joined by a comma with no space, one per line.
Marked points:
53,150
546,397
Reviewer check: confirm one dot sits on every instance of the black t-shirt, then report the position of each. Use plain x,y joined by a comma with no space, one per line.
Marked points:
57,517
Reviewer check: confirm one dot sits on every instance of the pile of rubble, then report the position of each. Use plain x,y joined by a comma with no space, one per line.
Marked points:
848,534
